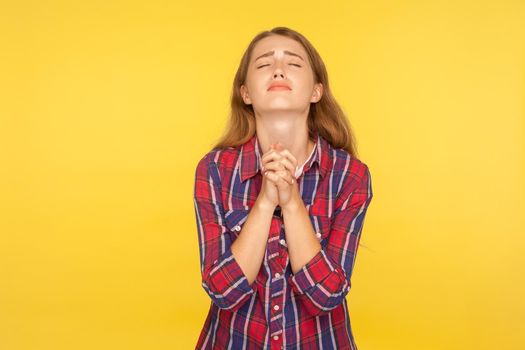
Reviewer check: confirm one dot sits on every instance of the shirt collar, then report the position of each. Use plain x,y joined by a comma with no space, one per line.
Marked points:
251,153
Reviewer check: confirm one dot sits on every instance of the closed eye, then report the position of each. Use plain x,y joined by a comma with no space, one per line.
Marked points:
291,64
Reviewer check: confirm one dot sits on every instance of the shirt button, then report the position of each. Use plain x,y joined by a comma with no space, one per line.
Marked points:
276,307
275,337
237,228
318,234
277,275
282,241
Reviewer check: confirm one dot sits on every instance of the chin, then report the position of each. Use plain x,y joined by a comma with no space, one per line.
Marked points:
279,103
280,108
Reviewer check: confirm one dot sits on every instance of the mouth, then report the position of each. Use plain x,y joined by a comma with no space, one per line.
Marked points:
279,88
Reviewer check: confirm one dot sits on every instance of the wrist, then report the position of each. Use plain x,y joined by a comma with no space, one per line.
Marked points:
264,206
293,205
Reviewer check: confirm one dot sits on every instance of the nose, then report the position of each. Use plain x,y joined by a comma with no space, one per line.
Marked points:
278,71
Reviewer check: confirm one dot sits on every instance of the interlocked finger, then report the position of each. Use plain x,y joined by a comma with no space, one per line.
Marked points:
286,176
271,155
279,175
283,164
288,156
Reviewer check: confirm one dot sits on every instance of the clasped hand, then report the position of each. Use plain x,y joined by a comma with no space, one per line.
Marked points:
278,166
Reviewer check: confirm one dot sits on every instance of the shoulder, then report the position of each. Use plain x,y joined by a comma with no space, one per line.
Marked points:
217,158
342,162
353,170
353,166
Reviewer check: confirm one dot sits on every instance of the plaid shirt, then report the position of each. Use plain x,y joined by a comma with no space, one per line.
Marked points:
279,310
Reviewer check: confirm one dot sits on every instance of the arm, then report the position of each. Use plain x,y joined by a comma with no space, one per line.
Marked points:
249,247
223,276
324,281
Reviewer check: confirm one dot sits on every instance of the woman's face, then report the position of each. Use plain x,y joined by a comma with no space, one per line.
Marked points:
279,59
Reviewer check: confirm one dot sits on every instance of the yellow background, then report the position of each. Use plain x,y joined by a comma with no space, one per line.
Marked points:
106,107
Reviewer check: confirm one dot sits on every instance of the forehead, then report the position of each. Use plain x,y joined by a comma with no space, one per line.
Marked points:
278,43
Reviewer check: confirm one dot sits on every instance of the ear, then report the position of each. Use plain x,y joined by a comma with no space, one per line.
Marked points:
244,95
317,93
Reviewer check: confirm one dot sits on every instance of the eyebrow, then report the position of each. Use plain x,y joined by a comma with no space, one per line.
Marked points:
286,52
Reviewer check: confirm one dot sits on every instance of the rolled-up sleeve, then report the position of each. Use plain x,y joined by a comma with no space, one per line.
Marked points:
222,277
323,283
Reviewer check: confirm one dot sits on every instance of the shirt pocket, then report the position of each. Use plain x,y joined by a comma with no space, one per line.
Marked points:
322,225
234,219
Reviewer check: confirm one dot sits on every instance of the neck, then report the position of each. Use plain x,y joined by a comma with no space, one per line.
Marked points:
291,132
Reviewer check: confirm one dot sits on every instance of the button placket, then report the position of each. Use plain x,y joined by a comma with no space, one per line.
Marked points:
277,287
277,259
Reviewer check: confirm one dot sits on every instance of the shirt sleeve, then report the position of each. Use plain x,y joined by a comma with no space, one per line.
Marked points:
222,277
323,283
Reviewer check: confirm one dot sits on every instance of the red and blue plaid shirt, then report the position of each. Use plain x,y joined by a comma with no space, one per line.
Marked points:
279,310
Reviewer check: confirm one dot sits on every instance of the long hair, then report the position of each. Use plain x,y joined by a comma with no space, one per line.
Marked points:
325,116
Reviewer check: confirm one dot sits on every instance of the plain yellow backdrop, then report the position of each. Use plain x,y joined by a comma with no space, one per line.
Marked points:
106,107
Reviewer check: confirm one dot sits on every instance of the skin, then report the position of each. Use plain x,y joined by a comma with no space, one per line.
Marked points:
282,133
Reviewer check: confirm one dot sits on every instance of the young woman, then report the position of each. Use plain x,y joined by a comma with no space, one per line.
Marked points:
280,203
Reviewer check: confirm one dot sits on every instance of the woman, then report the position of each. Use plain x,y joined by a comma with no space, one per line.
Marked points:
280,203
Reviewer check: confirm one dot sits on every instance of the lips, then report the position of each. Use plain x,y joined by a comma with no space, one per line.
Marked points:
279,87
